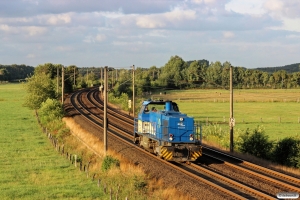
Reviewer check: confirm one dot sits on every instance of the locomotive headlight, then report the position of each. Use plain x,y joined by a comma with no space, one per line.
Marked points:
171,137
181,119
191,137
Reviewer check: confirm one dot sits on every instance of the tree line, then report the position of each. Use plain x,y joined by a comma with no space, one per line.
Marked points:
175,74
11,73
180,74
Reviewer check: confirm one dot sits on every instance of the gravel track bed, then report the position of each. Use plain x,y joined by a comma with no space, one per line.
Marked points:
240,176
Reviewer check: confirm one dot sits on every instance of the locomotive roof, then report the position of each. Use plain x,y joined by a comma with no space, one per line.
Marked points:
161,102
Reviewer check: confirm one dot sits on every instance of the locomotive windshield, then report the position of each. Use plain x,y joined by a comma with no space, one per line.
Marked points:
154,106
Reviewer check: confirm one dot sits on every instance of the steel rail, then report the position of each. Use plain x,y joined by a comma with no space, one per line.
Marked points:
276,174
232,182
285,185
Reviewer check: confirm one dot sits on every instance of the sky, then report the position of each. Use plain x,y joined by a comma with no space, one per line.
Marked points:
145,33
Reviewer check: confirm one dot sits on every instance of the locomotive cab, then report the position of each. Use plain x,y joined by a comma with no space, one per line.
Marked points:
161,129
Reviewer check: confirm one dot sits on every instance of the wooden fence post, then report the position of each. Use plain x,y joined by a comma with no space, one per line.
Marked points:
104,188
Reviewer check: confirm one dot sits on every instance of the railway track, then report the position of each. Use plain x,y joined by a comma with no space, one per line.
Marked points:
88,103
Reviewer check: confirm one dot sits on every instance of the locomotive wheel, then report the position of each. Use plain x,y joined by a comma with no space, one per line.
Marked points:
140,145
158,155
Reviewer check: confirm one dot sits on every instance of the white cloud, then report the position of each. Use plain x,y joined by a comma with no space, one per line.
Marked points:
150,21
89,39
164,19
293,36
35,30
285,11
288,25
228,34
283,8
29,30
95,38
251,7
5,27
274,5
100,37
64,48
59,19
31,55
153,30
157,33
204,1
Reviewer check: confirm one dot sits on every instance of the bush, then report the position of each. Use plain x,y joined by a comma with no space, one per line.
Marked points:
50,111
121,101
109,162
139,183
256,143
63,132
287,152
217,134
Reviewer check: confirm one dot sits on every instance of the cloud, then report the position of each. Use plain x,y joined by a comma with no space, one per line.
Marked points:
285,11
282,8
173,17
251,7
36,7
26,30
150,21
5,27
100,37
31,55
228,34
59,19
209,2
148,31
34,30
288,24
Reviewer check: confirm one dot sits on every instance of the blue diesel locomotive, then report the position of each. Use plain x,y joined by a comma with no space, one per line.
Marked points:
161,129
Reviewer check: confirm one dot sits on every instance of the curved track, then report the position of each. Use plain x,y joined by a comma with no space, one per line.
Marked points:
89,104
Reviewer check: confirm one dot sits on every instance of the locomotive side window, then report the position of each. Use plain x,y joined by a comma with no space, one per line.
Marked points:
146,110
175,107
153,109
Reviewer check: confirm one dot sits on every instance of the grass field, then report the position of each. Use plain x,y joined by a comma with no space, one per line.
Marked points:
30,168
278,111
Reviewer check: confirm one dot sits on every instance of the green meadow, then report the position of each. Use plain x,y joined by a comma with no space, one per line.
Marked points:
30,167
277,111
